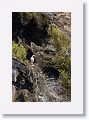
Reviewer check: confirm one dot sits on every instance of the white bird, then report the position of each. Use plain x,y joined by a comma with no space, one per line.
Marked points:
32,60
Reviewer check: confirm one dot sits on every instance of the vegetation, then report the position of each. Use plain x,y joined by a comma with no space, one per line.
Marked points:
62,60
19,52
52,47
61,41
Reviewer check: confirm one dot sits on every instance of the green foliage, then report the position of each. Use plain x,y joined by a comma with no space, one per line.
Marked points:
63,64
19,52
55,36
62,59
61,41
66,80
26,98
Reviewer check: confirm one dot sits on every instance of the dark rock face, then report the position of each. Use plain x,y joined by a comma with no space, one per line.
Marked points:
16,64
21,98
25,24
22,78
51,72
30,30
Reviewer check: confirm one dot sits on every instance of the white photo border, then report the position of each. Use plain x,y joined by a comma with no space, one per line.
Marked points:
76,104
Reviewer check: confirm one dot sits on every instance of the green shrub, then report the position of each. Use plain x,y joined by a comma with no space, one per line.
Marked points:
62,59
55,35
60,40
19,52
62,62
66,80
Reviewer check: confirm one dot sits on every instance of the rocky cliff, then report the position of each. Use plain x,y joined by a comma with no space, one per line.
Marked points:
48,37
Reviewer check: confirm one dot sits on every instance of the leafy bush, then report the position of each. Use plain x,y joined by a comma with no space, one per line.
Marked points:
62,60
61,41
55,35
63,64
19,52
66,80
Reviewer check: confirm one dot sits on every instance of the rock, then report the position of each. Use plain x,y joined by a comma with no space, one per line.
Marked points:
13,93
51,48
35,48
39,82
67,29
62,19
